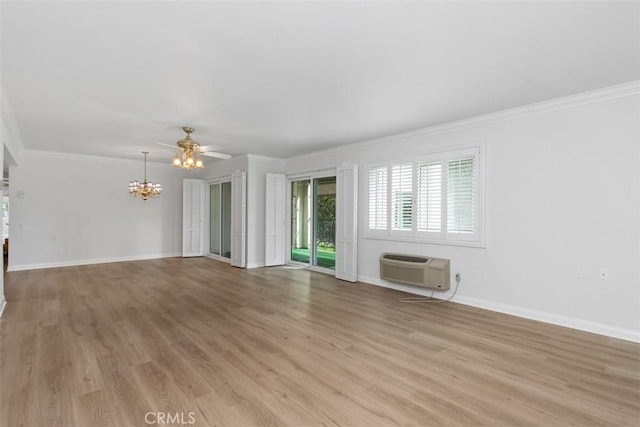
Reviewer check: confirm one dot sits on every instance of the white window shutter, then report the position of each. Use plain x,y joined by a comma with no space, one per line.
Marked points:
402,196
192,216
378,196
347,223
274,219
429,196
461,196
238,218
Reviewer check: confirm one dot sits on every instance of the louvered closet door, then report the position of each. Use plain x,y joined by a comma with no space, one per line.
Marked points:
274,219
238,218
347,223
192,216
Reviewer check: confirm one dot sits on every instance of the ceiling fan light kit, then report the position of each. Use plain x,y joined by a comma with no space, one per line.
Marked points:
145,189
188,155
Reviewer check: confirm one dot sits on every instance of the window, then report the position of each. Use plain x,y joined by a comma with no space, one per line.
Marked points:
434,198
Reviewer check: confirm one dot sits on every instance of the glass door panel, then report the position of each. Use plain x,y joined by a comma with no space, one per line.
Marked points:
300,220
215,213
226,219
324,198
220,219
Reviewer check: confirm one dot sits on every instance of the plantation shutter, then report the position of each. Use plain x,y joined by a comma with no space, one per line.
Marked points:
192,216
461,195
429,196
274,219
238,218
378,198
347,223
401,196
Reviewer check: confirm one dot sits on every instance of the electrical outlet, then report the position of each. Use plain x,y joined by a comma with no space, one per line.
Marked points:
457,277
604,273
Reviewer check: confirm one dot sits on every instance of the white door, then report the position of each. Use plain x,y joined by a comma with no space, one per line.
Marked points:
274,219
347,223
238,218
192,216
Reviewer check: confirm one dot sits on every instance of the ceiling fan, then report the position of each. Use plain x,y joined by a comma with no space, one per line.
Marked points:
189,151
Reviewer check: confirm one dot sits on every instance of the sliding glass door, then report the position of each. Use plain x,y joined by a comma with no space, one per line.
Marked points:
313,210
220,219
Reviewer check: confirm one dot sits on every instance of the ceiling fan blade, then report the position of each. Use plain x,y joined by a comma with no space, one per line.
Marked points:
217,155
209,147
175,147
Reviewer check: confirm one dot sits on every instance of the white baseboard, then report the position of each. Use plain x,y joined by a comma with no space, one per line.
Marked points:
541,316
404,288
255,264
90,261
3,304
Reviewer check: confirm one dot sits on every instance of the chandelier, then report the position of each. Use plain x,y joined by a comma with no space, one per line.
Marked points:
188,156
145,189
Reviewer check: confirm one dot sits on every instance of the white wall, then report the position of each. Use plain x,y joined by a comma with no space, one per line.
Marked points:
77,210
562,191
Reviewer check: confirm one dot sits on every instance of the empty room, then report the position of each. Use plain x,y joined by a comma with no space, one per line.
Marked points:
337,213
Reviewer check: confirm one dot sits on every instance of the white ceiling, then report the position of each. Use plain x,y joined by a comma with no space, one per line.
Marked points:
285,78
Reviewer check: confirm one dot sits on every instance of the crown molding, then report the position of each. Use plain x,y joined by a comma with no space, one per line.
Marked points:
90,157
251,156
555,104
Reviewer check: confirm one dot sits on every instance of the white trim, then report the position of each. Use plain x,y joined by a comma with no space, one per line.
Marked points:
311,174
373,235
403,288
75,156
257,265
555,319
91,261
541,316
3,304
562,103
251,156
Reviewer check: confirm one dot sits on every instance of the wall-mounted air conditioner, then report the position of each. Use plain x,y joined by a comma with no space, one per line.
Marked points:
427,272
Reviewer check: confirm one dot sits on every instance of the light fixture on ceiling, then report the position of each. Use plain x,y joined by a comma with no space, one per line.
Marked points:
188,156
145,189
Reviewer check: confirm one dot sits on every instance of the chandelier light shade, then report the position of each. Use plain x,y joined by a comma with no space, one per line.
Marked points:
145,189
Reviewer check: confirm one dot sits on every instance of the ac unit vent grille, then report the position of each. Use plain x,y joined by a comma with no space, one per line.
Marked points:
405,258
432,273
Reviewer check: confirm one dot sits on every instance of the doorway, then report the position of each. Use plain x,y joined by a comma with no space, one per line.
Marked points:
220,219
313,210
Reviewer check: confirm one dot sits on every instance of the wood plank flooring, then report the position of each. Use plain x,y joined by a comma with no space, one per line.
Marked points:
203,342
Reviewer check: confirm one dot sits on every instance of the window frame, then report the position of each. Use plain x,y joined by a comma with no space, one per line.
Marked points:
443,236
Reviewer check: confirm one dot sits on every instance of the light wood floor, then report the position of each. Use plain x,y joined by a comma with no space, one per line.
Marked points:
106,344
